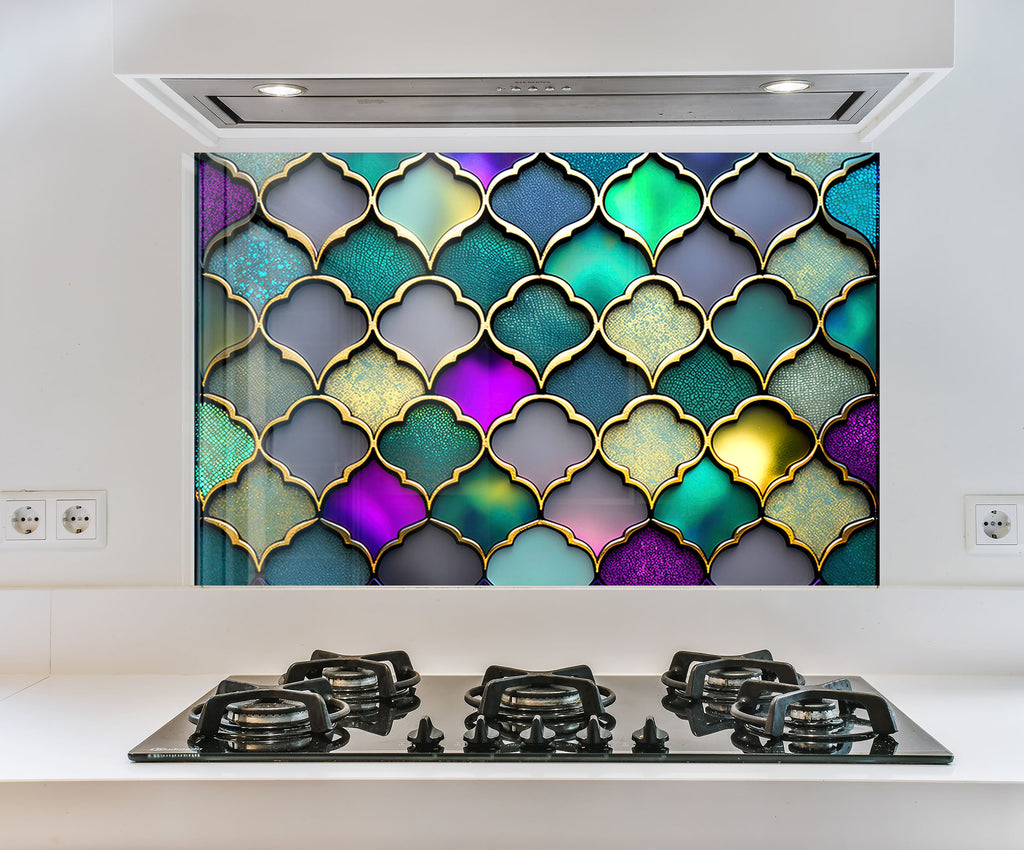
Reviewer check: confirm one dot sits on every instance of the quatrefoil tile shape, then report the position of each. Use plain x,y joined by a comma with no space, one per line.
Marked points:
853,441
226,199
817,505
281,382
573,260
315,200
763,201
223,443
540,199
653,200
651,556
318,443
762,322
316,320
226,320
374,507
485,384
597,504
429,442
853,322
651,441
707,507
373,384
430,554
853,200
652,322
541,318
485,504
542,441
818,265
261,510
762,443
258,262
455,201
540,556
430,321
762,557
817,383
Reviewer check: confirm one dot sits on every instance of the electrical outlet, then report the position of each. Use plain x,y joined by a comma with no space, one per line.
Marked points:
54,519
76,519
991,525
25,519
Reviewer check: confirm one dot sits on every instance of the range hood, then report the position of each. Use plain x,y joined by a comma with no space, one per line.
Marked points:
568,63
540,101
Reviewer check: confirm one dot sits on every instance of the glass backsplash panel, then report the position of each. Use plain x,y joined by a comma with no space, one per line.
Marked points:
537,368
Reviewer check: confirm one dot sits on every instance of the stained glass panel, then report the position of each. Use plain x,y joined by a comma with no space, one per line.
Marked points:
536,368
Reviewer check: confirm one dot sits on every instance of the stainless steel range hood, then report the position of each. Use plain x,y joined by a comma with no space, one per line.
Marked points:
538,101
576,64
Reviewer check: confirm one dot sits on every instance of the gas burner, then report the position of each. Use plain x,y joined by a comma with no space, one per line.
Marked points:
247,718
563,699
364,681
717,679
812,718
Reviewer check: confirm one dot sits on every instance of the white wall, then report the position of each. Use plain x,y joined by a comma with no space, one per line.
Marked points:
91,342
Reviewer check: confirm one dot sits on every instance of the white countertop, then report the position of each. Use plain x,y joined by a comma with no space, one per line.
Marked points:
60,751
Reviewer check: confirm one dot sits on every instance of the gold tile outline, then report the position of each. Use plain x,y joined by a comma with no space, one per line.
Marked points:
680,469
651,522
676,233
563,356
460,418
672,357
294,232
573,417
222,234
233,415
790,470
349,299
782,356
347,418
406,356
571,540
541,252
238,346
458,173
780,165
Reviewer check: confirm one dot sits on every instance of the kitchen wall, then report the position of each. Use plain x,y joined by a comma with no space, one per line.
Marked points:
93,340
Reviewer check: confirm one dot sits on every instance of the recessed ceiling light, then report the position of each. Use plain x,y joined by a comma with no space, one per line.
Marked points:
786,86
280,89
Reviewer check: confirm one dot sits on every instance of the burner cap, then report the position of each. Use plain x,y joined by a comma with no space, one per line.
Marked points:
267,713
729,679
546,700
819,716
265,723
345,681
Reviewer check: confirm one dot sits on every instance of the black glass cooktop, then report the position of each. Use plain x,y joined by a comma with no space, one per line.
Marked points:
627,718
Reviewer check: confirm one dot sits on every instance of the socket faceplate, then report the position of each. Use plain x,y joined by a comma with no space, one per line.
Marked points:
51,517
991,525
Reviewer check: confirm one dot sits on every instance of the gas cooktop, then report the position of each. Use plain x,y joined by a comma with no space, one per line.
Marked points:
705,708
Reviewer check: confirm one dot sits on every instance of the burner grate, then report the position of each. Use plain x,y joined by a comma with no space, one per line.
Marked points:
826,713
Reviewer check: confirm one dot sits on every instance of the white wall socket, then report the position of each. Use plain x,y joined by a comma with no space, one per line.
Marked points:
25,519
991,525
54,519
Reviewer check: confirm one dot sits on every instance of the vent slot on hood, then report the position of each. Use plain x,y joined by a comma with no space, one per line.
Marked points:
588,101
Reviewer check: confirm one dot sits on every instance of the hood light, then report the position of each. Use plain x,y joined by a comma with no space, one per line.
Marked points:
280,90
786,86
